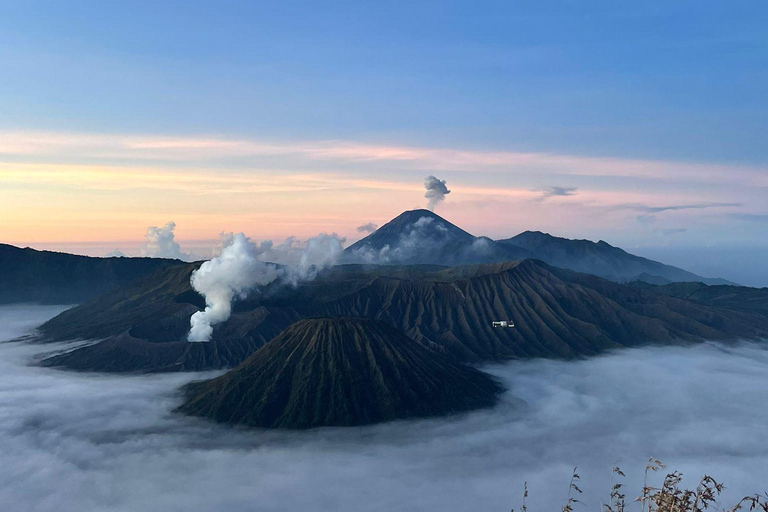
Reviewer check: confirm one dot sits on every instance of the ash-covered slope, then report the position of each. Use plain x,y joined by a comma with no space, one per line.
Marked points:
340,372
558,313
28,275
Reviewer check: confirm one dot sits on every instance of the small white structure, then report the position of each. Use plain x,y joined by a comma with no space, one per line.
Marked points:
504,323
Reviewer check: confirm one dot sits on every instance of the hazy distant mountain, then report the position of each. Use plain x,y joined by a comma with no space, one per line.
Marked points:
600,259
741,298
421,236
414,237
27,275
340,372
558,313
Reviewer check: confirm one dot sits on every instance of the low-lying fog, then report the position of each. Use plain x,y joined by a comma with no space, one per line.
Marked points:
79,442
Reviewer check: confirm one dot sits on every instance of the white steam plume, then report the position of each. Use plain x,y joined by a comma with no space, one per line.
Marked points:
161,243
318,252
231,274
241,265
436,191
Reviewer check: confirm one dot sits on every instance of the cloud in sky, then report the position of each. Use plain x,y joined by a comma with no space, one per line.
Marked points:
672,231
161,243
555,191
369,227
112,442
674,207
32,145
751,217
646,219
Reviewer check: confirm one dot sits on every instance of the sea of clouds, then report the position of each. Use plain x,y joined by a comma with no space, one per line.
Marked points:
84,442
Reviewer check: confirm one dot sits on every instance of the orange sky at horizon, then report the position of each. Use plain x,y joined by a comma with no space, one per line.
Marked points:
92,191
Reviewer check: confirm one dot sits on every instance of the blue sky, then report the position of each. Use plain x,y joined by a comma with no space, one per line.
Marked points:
662,82
679,80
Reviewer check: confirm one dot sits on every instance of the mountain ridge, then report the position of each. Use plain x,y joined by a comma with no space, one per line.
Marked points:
601,258
558,314
424,237
413,237
49,277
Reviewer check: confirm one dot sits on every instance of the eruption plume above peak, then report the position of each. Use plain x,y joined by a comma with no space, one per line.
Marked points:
436,191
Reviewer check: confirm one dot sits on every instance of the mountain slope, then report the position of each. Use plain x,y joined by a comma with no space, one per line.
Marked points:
558,313
741,298
600,259
28,275
339,372
145,326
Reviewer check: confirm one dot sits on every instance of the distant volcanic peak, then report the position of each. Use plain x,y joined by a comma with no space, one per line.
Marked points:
424,220
340,372
415,236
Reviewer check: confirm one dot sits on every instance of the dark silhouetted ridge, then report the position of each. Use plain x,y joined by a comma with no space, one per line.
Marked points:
28,275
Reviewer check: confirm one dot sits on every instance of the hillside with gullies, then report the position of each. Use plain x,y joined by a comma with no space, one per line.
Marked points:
558,314
339,372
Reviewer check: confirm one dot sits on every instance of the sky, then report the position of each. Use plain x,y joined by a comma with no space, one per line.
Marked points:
81,442
642,124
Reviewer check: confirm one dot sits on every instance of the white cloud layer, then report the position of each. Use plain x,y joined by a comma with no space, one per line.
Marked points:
74,442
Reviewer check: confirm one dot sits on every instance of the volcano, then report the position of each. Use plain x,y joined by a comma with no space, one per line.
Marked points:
423,237
340,372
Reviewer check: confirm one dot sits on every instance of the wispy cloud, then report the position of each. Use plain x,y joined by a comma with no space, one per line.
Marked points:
674,207
646,219
122,148
370,227
750,217
672,231
554,191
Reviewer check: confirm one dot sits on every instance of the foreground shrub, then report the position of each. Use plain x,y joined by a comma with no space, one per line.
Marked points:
669,497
